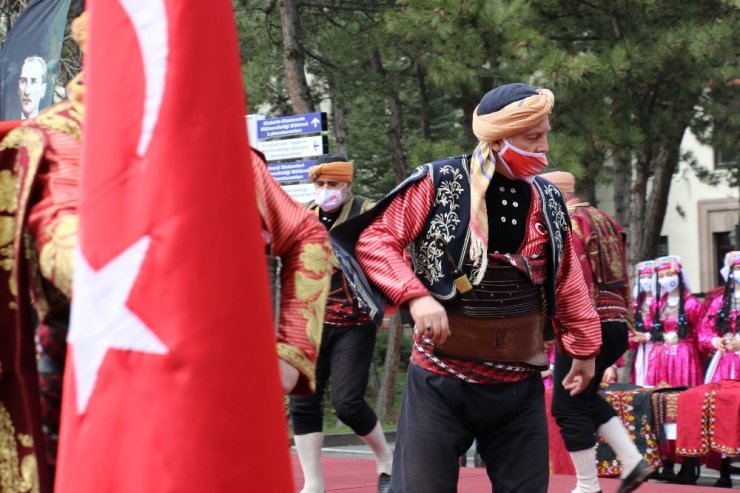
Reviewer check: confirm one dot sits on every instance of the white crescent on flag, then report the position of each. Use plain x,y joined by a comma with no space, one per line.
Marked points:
149,19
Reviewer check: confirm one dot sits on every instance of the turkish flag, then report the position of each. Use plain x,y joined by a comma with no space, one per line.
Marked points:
171,382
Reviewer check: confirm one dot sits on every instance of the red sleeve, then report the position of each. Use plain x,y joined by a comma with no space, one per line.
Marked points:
301,242
380,248
53,219
576,322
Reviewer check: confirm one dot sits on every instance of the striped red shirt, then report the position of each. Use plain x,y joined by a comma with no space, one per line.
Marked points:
380,249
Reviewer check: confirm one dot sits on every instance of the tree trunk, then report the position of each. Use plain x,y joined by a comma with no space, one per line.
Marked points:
587,190
622,182
638,196
394,122
622,185
657,201
293,57
384,402
390,368
421,86
339,119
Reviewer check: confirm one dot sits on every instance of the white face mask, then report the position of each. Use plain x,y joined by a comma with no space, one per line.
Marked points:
646,284
668,284
736,276
329,199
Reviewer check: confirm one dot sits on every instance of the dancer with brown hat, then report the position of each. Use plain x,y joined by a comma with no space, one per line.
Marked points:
347,343
601,248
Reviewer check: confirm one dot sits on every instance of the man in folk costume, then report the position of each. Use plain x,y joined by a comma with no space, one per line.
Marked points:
347,343
600,245
39,173
294,235
39,164
478,350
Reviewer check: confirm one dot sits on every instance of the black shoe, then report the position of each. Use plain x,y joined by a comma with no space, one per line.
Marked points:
635,478
667,473
478,461
384,483
723,483
689,472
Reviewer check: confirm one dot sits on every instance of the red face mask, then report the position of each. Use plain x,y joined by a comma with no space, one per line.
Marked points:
522,165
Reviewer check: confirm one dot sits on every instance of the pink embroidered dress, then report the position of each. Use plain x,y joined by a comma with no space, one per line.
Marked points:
722,366
675,362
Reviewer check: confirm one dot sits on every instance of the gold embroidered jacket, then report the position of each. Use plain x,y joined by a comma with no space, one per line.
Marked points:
299,239
39,163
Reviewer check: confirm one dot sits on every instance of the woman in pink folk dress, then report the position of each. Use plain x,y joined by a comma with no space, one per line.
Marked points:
719,338
719,335
642,304
674,358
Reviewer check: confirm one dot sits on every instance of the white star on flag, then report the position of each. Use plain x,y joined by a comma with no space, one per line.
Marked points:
100,319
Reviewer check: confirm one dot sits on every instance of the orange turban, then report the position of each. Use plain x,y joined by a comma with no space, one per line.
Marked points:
514,118
338,170
565,181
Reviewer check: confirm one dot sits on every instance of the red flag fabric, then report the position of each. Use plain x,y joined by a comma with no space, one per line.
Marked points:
171,382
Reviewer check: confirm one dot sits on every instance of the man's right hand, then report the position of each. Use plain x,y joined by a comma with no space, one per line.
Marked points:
580,374
430,319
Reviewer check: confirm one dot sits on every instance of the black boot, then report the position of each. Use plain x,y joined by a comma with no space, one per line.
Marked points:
667,473
725,480
689,472
384,483
478,460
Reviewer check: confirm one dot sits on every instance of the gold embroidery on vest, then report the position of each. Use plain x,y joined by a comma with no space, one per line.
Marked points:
313,290
16,475
57,255
53,119
8,191
33,141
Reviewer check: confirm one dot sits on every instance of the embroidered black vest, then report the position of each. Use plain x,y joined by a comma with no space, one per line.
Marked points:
449,217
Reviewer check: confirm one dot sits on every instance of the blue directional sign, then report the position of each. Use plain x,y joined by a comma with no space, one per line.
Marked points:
294,171
307,123
295,148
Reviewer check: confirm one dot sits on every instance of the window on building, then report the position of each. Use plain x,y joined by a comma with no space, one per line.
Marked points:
662,246
726,158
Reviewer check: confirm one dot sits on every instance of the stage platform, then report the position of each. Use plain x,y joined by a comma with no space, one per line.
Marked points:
357,475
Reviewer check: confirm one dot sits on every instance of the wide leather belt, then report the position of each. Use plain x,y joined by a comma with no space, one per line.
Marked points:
503,324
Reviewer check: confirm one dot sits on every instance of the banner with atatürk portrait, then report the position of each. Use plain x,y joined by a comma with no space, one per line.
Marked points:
29,59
